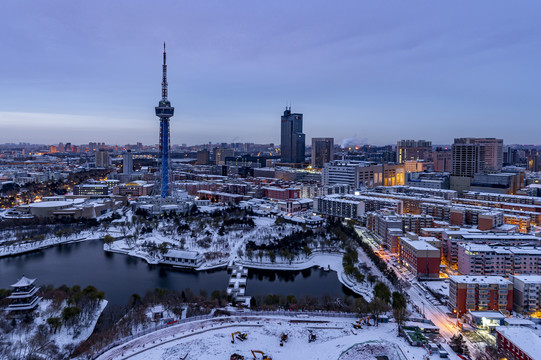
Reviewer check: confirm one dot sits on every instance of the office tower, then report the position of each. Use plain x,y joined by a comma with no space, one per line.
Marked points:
101,158
292,139
164,111
493,153
322,151
203,157
468,157
413,150
442,160
127,162
67,147
221,154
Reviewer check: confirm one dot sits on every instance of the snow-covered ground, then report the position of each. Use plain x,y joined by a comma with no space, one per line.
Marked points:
211,339
67,337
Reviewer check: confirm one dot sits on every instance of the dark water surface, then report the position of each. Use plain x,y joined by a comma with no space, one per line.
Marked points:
86,263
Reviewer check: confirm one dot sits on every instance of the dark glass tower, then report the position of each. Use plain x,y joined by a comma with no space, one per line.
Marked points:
292,138
164,111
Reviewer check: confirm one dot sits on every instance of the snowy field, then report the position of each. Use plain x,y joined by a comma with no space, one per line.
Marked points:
335,339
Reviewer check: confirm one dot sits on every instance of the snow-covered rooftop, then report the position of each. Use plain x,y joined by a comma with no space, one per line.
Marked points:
488,314
182,254
24,281
479,279
523,338
528,279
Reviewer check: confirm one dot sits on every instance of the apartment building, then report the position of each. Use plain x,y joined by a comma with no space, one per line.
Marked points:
420,255
518,343
526,293
480,293
482,259
452,237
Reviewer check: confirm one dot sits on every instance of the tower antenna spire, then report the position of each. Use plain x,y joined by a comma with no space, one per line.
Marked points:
164,111
164,78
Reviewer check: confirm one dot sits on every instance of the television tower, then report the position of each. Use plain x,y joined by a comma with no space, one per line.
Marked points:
164,111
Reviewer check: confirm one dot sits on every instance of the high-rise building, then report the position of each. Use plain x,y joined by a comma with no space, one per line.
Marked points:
220,154
203,157
468,157
322,151
442,160
101,158
292,138
413,150
127,162
493,153
164,111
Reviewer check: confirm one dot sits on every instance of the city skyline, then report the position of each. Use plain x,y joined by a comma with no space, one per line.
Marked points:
85,73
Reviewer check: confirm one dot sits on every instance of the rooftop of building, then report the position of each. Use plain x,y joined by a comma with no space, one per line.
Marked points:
479,279
23,281
182,254
523,338
487,314
484,248
528,279
418,244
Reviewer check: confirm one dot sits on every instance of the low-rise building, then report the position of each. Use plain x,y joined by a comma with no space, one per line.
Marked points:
277,193
135,188
182,258
95,190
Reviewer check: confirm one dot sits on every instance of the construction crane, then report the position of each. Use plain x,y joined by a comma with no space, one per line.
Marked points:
264,356
283,339
240,336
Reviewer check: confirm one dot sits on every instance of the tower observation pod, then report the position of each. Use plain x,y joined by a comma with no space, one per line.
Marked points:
164,111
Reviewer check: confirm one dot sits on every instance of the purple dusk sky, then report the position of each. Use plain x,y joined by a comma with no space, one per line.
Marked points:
85,71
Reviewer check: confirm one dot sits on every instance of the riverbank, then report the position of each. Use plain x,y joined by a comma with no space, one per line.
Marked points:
28,247
326,261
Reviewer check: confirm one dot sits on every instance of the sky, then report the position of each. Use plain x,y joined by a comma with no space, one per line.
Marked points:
378,71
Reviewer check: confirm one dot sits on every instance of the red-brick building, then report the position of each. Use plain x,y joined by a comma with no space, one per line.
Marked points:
518,343
480,293
421,257
276,193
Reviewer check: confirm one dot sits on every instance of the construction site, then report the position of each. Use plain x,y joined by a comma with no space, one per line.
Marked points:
272,337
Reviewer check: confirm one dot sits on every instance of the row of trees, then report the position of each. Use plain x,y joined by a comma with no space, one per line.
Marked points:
294,242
